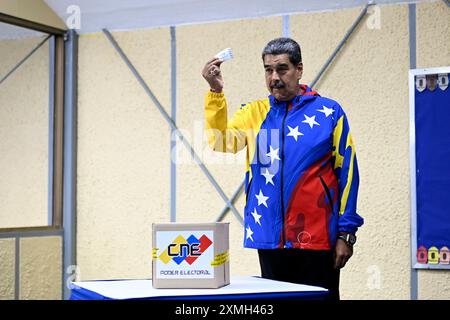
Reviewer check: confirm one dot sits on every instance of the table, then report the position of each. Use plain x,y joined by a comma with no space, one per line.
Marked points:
240,287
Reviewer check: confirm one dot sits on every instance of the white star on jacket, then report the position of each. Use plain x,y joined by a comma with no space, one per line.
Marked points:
256,216
268,176
248,233
273,154
326,111
293,132
311,121
261,198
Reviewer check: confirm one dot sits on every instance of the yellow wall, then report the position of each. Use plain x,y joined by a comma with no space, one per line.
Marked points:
32,10
123,153
433,29
7,268
40,265
24,118
40,268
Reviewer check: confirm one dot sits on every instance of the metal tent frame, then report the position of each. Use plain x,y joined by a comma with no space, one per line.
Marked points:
62,145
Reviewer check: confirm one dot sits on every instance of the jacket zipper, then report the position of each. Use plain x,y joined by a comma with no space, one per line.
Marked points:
248,189
327,191
281,177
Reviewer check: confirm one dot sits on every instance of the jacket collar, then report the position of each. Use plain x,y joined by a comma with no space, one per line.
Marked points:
306,94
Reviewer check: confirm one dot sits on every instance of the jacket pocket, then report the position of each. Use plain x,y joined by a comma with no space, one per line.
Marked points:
327,191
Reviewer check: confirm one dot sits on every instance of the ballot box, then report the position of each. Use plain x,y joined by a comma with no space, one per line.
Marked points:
190,255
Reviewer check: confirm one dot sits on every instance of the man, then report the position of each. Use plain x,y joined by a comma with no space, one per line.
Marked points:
302,175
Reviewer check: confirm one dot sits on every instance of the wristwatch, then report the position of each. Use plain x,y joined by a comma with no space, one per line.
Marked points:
349,238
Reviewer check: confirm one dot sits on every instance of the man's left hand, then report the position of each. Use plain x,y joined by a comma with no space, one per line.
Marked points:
342,253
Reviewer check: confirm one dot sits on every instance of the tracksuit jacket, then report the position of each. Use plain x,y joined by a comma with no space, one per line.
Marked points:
301,180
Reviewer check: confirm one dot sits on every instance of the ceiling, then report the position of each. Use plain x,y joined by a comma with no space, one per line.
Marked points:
141,14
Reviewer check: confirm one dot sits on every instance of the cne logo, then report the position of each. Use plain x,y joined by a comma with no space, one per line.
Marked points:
182,249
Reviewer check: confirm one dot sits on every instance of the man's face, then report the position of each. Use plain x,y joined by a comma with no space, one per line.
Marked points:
282,76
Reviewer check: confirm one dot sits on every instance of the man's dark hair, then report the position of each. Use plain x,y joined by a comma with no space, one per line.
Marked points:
284,46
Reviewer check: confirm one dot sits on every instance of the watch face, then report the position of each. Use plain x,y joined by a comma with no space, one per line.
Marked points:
351,239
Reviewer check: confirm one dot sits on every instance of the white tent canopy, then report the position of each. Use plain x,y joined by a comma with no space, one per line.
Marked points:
140,14
117,15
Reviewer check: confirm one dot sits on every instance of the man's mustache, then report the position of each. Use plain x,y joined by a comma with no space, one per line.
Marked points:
277,85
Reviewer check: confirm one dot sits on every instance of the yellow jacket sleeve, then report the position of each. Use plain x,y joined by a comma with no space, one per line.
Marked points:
224,135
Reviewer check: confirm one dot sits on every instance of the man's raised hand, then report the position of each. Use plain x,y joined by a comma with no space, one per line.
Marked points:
212,74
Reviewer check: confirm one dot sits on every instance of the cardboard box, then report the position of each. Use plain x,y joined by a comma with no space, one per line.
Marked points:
190,255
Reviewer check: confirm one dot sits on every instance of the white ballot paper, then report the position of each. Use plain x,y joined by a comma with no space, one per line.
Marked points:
225,54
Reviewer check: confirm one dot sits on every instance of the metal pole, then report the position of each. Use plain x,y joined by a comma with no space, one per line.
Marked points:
340,45
172,125
235,195
412,65
25,58
173,142
51,114
17,269
70,158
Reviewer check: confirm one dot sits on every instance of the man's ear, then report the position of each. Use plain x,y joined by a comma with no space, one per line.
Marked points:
300,70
